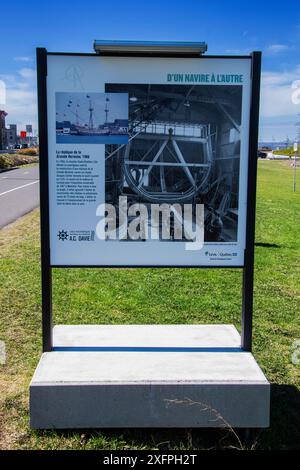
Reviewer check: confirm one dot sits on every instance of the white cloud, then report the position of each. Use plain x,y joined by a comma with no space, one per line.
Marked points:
276,93
278,112
27,73
276,48
24,59
21,103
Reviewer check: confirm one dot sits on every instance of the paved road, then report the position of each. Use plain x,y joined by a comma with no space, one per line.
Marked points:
19,193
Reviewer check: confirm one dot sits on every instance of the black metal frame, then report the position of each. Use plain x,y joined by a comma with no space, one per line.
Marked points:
248,270
41,57
248,266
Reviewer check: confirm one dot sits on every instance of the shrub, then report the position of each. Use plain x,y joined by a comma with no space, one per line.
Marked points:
10,160
30,151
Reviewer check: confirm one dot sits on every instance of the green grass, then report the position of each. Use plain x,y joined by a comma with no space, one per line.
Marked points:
159,296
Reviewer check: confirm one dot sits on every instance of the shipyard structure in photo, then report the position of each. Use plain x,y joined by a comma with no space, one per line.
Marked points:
184,147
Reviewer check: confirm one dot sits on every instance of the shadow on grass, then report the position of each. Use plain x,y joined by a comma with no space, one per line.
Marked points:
150,439
284,431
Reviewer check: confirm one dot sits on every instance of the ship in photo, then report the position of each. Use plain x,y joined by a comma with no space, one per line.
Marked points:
89,116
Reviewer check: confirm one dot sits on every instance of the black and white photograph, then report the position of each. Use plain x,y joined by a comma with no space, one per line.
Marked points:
91,118
183,148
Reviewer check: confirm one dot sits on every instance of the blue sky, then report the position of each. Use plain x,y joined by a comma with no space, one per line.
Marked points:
228,27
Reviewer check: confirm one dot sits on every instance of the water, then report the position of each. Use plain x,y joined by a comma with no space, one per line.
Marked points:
91,139
272,145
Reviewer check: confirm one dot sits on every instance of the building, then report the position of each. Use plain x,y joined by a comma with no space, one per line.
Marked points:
3,141
11,136
34,141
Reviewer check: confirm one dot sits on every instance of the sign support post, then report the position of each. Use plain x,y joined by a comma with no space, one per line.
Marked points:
248,270
295,165
46,277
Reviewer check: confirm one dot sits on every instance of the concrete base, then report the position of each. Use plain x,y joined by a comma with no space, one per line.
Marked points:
148,376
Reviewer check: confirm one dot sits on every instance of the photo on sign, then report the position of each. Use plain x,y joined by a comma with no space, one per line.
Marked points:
183,148
91,118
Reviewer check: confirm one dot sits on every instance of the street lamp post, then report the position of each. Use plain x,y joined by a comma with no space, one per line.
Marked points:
295,164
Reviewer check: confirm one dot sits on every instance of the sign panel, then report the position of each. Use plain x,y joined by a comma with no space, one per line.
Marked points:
148,160
23,134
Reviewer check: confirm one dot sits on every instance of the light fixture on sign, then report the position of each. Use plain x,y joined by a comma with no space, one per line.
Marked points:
177,48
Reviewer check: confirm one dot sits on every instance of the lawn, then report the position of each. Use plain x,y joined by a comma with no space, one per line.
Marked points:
159,296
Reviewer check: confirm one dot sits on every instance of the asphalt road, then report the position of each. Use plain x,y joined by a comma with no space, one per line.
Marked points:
19,193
